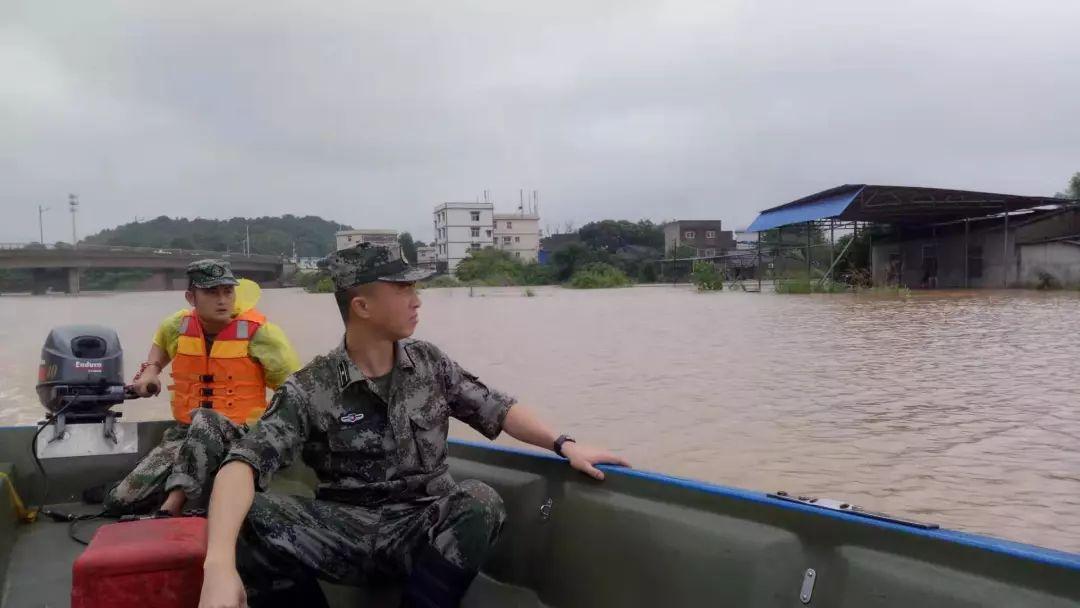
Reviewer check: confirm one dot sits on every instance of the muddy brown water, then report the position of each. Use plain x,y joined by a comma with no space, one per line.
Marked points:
961,408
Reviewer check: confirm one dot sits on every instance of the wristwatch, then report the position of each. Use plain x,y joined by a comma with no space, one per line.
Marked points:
560,441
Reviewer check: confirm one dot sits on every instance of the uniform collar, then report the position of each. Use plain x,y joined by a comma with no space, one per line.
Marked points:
347,371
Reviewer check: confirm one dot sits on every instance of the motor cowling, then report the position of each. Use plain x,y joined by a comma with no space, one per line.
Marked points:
82,370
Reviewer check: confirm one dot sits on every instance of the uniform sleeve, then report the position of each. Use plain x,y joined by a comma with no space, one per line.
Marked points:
279,436
473,403
168,333
272,350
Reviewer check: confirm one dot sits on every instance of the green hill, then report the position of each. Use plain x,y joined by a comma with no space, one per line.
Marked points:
313,236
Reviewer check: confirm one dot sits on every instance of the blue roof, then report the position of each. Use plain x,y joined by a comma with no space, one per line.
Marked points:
828,207
895,205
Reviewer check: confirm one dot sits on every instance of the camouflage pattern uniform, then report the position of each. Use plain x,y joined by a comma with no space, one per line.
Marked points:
186,458
188,455
385,497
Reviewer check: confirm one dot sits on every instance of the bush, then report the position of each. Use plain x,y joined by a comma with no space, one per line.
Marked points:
809,286
488,266
440,280
887,290
599,275
1047,281
321,285
306,279
496,268
536,274
707,277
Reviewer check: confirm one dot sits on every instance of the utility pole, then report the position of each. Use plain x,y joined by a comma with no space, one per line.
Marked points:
247,240
73,203
40,224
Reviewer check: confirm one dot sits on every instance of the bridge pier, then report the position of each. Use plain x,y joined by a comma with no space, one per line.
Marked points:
39,284
74,276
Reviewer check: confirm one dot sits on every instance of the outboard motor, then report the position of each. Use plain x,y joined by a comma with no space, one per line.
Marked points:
82,376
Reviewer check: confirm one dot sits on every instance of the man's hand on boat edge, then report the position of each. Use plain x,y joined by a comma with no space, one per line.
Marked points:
523,424
585,458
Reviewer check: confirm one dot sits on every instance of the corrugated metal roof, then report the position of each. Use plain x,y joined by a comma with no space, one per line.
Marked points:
914,205
830,206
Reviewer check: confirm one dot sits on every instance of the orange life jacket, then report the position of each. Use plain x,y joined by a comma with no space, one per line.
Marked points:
228,380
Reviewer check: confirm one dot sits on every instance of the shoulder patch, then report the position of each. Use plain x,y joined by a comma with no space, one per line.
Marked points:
343,374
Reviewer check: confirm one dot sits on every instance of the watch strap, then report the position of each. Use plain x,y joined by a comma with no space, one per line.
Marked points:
559,443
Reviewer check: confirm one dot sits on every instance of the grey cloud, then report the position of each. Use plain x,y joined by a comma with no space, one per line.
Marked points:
370,115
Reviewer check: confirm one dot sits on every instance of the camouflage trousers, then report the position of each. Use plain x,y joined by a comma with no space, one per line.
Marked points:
294,537
187,458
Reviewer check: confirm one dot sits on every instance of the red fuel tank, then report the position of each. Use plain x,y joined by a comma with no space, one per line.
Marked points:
150,563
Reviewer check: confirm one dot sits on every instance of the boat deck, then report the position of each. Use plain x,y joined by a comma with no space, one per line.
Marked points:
39,573
637,539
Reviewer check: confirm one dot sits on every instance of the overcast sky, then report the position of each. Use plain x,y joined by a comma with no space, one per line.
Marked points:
370,114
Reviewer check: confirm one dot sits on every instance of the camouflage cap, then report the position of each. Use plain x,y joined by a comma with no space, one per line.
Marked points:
370,262
210,273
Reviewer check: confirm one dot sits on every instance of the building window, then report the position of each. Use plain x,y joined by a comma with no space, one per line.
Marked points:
517,253
506,240
975,262
488,233
710,253
350,238
689,235
509,225
710,234
475,216
517,239
475,232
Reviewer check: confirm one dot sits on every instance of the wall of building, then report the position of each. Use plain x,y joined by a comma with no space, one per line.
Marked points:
1059,260
985,246
1037,243
518,234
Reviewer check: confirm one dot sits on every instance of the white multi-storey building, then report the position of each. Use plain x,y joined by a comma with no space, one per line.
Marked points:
519,234
460,227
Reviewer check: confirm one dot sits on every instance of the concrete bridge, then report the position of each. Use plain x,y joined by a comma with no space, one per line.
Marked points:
62,267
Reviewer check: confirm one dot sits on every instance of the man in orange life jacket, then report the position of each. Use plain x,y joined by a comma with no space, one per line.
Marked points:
223,360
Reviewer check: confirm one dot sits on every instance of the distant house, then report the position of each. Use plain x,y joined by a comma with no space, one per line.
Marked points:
306,264
705,237
426,257
518,234
744,239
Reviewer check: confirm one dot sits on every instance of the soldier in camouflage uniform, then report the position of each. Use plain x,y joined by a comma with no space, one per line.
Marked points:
371,418
178,472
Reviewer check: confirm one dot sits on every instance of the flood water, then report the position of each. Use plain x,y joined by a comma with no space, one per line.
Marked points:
961,408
